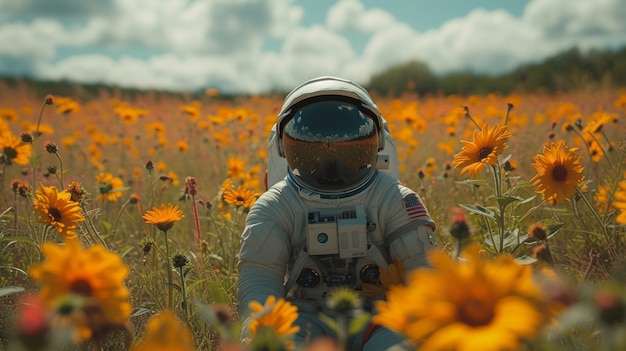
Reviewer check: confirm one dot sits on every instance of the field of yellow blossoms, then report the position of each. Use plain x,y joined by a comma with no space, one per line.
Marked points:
120,217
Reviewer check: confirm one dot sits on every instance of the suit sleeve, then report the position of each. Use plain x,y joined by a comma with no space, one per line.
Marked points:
410,233
263,259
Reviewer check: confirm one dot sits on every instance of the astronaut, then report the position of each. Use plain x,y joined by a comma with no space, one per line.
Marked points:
336,214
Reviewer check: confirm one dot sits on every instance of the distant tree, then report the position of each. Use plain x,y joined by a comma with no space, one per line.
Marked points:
413,75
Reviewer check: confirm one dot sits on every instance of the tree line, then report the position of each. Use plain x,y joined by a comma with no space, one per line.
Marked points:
566,71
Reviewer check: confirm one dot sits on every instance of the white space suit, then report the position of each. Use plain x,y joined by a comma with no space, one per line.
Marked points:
335,218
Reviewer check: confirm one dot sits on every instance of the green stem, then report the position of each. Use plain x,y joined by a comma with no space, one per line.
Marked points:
91,228
61,167
184,292
170,297
119,214
602,228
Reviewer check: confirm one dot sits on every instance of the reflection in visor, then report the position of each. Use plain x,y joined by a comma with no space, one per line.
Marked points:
330,146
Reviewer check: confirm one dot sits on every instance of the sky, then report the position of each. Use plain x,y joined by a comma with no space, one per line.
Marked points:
256,46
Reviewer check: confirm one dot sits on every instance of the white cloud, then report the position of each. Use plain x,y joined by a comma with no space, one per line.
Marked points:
192,44
352,15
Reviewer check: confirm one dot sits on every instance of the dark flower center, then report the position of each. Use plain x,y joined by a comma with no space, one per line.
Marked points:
559,173
475,312
240,199
105,188
55,214
484,152
81,287
10,153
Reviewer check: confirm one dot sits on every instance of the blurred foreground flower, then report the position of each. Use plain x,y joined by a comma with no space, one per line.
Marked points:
84,287
58,210
559,173
488,143
165,332
498,306
276,317
392,275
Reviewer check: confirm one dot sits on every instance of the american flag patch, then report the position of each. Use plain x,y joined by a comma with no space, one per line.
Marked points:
414,207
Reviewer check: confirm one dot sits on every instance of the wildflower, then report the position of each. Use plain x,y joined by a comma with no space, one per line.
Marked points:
163,218
484,149
344,302
134,199
164,332
620,202
76,190
537,232
460,229
110,187
92,279
180,260
236,168
32,325
50,147
149,165
611,307
500,305
559,173
26,137
388,276
58,210
14,150
240,197
24,189
277,315
182,146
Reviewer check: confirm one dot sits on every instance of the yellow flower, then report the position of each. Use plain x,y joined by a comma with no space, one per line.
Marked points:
93,278
559,173
163,218
240,197
277,315
58,210
499,306
488,143
14,150
620,202
392,275
236,168
164,332
110,187
182,146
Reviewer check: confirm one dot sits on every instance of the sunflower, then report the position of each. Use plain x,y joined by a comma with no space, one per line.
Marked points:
14,150
164,332
163,218
110,188
58,210
92,278
278,315
240,197
488,143
559,172
499,306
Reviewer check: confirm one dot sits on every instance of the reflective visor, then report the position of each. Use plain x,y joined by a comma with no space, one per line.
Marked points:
331,146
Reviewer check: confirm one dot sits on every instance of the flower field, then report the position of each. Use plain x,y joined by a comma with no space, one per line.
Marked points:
120,217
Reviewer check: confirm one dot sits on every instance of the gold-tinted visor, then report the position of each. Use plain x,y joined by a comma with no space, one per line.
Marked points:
331,146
